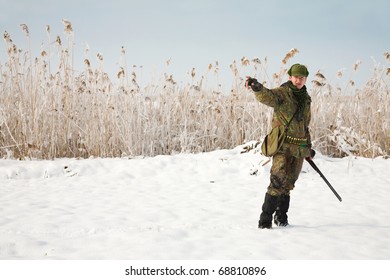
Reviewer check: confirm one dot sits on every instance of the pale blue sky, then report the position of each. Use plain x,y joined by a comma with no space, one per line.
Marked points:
330,34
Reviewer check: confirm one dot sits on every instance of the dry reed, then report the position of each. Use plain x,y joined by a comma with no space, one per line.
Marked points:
49,113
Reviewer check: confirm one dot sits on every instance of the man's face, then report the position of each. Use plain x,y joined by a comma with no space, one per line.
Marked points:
298,81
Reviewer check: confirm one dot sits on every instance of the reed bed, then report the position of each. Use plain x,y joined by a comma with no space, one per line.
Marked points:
48,111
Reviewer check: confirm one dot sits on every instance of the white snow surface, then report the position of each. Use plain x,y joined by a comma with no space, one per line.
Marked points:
190,206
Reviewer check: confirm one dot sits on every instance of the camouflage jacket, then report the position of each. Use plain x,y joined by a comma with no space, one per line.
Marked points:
285,104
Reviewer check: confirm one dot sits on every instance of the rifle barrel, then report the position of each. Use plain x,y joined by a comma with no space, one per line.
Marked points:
323,177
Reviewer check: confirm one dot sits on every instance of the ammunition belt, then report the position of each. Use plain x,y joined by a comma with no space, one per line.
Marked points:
296,141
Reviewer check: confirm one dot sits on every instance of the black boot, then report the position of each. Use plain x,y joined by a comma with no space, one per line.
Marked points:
280,218
269,207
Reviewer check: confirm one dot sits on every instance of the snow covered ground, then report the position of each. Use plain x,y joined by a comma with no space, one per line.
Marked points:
190,206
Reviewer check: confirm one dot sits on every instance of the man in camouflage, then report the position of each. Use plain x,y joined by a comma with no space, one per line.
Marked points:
290,102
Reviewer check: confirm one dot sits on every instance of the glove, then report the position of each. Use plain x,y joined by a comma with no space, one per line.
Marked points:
312,153
253,83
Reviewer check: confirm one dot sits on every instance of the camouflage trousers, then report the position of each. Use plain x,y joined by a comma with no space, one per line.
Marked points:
284,173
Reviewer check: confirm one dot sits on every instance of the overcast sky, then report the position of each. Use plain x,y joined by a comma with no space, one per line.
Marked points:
330,35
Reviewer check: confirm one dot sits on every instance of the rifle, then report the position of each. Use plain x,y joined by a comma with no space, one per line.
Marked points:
323,177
